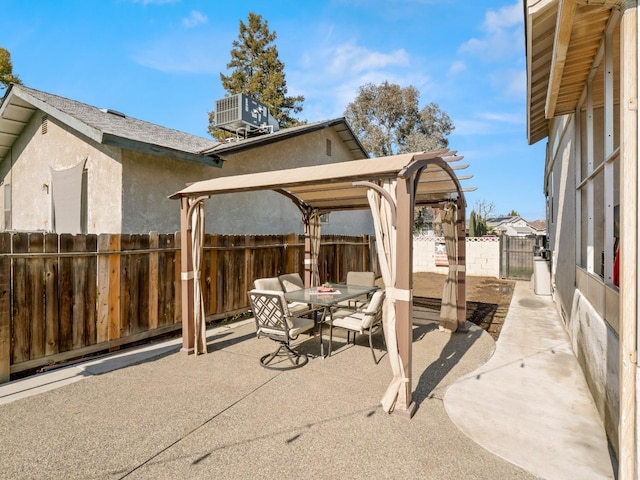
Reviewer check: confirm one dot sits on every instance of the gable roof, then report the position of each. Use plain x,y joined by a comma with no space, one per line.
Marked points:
339,125
104,126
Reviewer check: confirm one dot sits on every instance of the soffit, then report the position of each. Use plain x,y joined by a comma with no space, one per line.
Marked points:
573,61
15,114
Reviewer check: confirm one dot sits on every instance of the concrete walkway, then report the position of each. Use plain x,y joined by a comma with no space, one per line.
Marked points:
530,403
522,413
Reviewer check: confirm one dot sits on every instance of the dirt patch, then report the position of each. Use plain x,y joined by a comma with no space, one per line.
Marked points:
488,298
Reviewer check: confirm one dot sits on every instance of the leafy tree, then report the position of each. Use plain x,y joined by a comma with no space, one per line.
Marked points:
388,120
513,213
6,70
257,71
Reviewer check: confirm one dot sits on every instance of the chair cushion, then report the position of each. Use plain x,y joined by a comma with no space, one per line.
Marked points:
291,282
365,279
300,325
350,322
271,283
296,308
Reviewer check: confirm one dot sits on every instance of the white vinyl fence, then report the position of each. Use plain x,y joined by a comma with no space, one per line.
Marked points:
483,256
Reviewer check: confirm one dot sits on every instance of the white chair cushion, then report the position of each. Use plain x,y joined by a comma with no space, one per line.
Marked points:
350,322
271,283
300,325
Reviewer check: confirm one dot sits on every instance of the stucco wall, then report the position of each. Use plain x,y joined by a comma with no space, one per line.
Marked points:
482,256
34,155
267,212
581,302
148,180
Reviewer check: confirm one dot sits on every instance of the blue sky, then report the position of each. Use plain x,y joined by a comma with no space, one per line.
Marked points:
160,60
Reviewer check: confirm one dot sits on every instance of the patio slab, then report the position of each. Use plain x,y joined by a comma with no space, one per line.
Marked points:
157,413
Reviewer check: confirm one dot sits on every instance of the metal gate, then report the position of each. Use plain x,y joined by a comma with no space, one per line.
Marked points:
516,257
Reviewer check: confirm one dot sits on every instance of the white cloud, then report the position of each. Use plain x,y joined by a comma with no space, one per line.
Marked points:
353,59
457,67
194,19
503,117
504,34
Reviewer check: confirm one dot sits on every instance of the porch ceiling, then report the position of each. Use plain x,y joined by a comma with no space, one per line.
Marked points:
564,42
334,186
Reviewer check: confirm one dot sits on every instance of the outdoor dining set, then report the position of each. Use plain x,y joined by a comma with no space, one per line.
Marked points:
283,309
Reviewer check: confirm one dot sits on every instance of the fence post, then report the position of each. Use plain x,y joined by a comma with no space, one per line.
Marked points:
5,307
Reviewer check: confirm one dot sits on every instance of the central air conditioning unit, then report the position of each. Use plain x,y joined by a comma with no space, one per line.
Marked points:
244,116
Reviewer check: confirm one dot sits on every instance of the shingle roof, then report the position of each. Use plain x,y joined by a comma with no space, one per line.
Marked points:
107,126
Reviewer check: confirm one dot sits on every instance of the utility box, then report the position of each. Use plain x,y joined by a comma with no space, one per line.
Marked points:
244,116
541,276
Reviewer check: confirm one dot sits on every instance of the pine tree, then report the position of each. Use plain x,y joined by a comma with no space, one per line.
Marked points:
256,70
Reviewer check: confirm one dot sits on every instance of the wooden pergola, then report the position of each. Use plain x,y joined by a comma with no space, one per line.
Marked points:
403,182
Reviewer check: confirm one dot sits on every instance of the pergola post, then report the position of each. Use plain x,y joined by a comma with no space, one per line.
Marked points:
403,290
186,260
308,270
461,263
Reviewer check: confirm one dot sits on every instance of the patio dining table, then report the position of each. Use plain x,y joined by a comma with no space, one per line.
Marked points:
327,300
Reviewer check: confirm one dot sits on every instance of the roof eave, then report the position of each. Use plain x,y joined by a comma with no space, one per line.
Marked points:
148,148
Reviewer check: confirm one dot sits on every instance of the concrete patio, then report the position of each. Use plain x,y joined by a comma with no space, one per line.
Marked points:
517,409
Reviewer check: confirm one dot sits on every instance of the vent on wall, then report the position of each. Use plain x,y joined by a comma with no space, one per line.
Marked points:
44,125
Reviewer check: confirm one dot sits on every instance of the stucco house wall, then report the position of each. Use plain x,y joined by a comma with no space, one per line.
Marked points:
52,145
147,181
269,212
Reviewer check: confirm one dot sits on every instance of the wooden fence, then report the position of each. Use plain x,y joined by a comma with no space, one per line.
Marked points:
67,296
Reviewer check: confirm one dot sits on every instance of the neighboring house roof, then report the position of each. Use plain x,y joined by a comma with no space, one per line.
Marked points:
562,41
495,222
104,126
538,225
339,125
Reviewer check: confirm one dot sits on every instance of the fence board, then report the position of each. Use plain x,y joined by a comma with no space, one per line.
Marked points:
65,293
51,295
5,307
166,274
115,313
21,322
153,283
35,285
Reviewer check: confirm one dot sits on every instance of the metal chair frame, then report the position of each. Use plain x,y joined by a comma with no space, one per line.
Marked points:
274,321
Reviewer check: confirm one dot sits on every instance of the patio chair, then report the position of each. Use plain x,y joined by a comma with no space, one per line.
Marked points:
291,282
364,321
361,279
274,321
273,283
